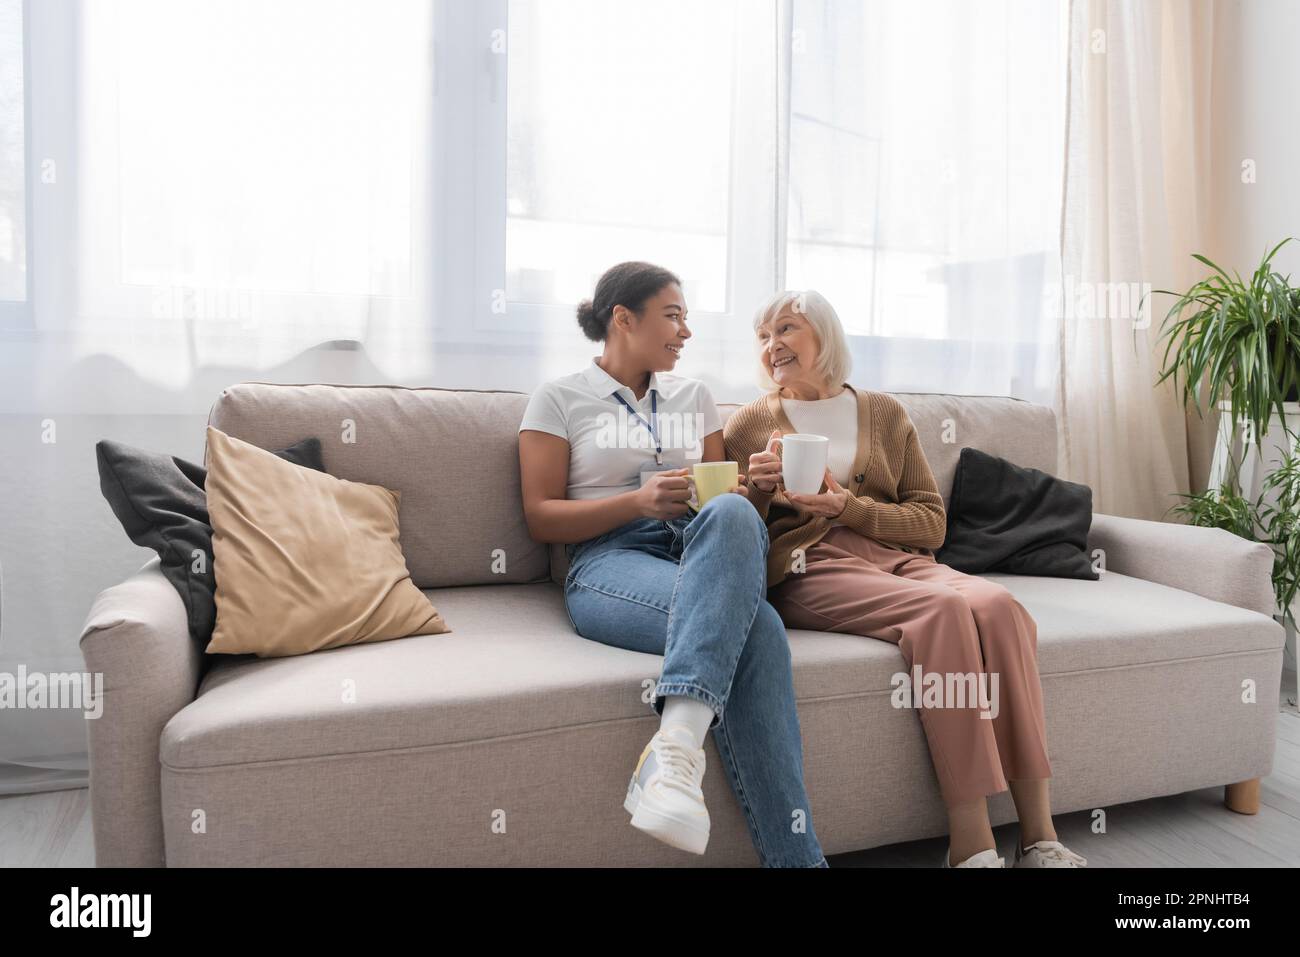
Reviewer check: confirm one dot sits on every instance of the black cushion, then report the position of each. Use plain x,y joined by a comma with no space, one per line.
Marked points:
161,502
1004,518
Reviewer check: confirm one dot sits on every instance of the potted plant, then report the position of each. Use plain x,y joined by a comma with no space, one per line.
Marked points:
1240,341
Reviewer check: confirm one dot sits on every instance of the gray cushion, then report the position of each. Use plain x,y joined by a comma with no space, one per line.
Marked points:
1005,518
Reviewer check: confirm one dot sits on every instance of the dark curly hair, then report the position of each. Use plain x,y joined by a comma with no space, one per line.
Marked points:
628,285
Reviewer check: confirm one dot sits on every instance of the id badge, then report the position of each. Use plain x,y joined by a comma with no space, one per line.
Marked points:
650,468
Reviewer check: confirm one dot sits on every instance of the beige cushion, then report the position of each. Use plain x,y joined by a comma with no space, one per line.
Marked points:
304,560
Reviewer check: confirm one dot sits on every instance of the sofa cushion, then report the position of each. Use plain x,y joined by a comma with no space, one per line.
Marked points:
1019,431
1005,518
1015,430
515,666
453,456
162,504
304,561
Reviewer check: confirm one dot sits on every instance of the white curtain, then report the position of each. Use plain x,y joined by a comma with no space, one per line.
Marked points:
644,131
193,193
925,177
1135,209
250,179
227,183
903,158
198,192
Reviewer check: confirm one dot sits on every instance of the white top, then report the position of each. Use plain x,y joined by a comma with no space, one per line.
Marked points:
837,419
608,448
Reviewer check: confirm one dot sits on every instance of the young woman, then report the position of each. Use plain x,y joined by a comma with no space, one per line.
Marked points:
605,456
869,570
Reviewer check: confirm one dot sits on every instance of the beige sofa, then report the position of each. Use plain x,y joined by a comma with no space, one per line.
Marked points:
510,741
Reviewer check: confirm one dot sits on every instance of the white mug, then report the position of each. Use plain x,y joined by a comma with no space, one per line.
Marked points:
803,461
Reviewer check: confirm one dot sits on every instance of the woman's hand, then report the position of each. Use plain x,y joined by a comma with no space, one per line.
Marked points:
828,504
765,467
665,494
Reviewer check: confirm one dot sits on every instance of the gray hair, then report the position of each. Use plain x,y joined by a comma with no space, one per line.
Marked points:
833,360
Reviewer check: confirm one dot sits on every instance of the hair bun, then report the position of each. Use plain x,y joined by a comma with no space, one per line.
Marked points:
592,327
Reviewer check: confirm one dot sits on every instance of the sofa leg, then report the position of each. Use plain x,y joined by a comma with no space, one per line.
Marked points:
1242,797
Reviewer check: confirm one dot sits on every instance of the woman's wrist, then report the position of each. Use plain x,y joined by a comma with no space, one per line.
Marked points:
857,513
630,504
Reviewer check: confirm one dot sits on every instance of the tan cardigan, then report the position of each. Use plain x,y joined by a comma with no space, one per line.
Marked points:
895,498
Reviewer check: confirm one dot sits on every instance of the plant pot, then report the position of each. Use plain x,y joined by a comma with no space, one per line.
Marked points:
1255,464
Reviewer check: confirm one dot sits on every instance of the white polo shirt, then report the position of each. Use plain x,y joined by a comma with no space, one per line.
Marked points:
608,447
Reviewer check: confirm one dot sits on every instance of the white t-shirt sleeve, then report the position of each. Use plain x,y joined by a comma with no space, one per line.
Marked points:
544,413
712,421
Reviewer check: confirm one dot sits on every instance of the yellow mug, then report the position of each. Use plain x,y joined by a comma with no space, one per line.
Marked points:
713,479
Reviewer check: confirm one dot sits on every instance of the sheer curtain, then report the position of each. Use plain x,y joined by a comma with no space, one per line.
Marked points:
925,177
234,182
645,131
1135,210
252,179
903,158
13,167
192,193
198,192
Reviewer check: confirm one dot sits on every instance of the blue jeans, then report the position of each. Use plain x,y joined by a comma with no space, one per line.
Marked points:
693,590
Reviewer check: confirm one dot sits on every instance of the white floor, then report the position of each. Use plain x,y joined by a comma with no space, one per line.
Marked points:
1187,830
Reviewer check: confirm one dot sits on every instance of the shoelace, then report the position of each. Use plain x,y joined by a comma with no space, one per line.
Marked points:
1059,852
682,765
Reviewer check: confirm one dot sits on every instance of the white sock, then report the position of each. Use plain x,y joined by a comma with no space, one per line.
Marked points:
695,714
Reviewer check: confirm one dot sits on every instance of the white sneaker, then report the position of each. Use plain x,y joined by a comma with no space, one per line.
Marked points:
987,858
1047,854
664,796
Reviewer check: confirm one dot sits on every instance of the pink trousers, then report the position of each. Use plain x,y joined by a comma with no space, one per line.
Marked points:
948,623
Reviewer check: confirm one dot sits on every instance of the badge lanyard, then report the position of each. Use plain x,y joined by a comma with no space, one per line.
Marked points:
652,425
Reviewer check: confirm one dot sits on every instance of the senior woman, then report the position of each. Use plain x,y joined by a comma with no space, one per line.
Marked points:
868,569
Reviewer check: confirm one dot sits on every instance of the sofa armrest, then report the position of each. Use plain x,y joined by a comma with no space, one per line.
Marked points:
137,636
1210,562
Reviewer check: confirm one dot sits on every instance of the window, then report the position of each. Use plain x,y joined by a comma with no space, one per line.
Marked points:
619,144
13,162
250,179
256,165
925,176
